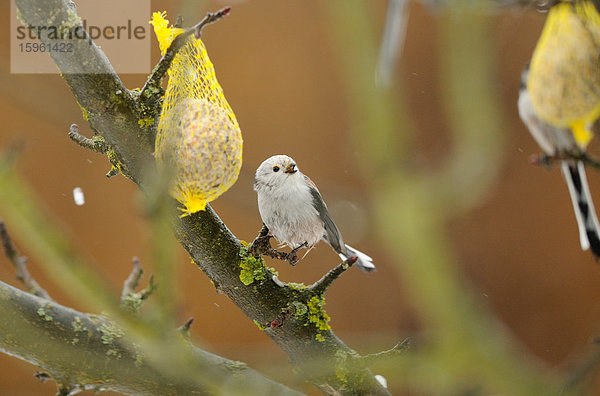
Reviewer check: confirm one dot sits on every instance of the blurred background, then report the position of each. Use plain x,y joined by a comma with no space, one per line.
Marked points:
514,247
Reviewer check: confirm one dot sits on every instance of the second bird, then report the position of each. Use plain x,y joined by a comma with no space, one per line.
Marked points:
555,141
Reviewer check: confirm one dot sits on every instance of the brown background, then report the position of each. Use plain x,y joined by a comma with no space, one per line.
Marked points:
519,249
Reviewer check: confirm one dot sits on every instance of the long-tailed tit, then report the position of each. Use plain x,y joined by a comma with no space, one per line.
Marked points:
293,210
555,141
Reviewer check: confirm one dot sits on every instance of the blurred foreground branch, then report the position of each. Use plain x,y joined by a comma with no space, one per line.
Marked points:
464,349
85,351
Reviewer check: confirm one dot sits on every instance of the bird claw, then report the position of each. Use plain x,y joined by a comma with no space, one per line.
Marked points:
351,260
262,245
293,259
544,160
292,256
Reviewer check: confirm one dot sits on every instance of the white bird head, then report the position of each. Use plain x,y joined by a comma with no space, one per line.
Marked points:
275,171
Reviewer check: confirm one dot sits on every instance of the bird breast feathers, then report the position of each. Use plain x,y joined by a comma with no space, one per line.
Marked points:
289,213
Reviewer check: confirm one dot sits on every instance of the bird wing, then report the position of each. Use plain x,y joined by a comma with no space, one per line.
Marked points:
550,139
332,234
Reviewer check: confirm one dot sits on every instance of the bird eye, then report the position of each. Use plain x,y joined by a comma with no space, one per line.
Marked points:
275,168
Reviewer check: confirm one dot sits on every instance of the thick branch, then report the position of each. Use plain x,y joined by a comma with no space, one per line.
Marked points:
110,107
216,251
89,351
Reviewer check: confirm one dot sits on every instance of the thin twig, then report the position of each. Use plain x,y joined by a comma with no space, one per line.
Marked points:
178,21
130,299
147,292
320,286
153,84
548,160
396,350
184,329
133,280
20,263
97,145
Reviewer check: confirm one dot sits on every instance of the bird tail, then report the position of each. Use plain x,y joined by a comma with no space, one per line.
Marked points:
364,262
587,222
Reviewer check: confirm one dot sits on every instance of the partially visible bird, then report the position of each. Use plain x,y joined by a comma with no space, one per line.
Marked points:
293,210
555,141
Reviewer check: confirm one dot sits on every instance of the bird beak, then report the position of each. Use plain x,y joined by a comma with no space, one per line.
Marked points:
291,168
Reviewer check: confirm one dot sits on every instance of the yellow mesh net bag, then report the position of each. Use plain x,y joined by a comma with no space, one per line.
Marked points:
198,139
564,75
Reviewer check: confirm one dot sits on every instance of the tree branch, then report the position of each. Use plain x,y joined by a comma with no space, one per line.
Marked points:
133,280
152,87
396,350
110,107
84,351
20,263
208,241
97,145
184,329
549,160
130,299
320,286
